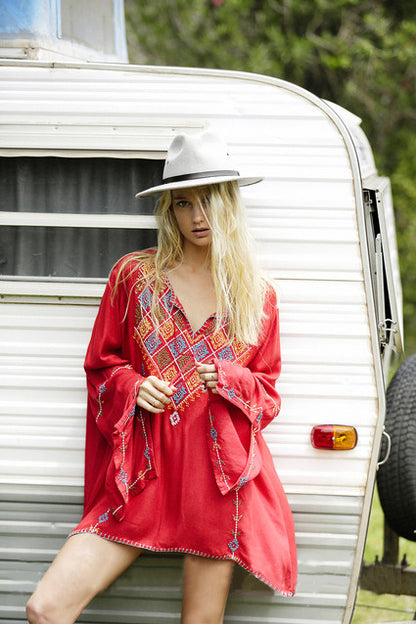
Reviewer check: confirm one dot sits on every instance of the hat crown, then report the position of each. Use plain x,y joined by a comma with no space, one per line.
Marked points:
198,160
196,154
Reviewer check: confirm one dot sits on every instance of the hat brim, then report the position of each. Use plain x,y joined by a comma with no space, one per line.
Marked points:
170,186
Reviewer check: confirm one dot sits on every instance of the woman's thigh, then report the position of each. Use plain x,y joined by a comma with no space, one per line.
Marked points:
205,589
86,565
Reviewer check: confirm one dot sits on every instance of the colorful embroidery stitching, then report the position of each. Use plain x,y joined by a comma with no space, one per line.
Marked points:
234,545
103,388
217,449
171,351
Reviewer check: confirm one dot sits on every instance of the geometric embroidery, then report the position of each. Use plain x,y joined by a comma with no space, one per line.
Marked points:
193,381
122,475
167,329
152,343
233,545
200,350
180,321
225,354
163,315
174,418
145,298
170,373
179,394
210,326
144,327
177,346
167,300
163,358
174,348
217,340
185,362
239,347
103,518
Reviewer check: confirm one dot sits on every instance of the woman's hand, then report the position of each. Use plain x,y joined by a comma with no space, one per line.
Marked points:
209,376
154,394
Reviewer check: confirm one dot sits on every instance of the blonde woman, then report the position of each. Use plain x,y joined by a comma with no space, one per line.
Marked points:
181,373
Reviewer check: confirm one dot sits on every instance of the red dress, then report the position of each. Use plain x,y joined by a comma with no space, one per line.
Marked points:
198,478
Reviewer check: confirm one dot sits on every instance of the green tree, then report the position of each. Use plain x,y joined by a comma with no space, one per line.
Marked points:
358,53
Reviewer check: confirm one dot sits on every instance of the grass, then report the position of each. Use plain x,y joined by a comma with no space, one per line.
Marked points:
373,608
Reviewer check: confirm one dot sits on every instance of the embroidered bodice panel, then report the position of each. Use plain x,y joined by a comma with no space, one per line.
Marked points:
172,350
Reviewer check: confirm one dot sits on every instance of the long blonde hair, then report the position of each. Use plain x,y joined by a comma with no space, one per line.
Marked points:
239,284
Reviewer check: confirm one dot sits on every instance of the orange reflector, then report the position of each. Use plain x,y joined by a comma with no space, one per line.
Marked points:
334,437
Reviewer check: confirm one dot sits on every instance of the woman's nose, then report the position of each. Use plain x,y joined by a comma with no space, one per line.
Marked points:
197,214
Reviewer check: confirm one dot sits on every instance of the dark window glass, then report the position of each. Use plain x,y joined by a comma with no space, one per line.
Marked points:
67,252
62,185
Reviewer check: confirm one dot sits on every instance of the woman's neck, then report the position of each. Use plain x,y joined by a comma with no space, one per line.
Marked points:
197,259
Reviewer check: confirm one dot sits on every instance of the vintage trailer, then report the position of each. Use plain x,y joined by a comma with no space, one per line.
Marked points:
77,141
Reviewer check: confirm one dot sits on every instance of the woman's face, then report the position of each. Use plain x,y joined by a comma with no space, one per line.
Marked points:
191,209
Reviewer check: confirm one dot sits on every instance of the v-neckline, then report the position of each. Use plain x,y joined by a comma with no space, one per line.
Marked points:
181,307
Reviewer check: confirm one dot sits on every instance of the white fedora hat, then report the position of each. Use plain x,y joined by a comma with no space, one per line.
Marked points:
197,160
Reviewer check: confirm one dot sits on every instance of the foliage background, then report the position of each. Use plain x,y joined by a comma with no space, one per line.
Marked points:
360,54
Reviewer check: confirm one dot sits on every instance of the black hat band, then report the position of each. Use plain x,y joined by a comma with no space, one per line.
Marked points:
202,174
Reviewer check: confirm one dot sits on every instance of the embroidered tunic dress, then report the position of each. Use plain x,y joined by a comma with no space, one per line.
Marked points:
199,477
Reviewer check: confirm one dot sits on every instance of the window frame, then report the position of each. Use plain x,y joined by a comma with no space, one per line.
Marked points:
13,286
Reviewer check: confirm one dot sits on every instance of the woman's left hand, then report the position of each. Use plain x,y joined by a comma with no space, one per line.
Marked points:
209,376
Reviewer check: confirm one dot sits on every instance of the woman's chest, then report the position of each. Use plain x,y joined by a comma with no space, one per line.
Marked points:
196,295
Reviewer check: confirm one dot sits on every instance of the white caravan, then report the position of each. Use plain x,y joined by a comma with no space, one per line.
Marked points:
77,140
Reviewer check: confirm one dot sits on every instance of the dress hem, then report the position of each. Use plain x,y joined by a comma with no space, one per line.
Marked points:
189,551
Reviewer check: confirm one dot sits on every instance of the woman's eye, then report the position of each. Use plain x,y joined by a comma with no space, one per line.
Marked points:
182,203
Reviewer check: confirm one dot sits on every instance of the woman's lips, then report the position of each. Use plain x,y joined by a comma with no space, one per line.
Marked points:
201,233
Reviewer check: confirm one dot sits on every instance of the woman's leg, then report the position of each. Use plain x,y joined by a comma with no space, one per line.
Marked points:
86,565
206,585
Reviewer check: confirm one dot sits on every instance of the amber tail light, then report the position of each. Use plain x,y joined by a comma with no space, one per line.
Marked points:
334,437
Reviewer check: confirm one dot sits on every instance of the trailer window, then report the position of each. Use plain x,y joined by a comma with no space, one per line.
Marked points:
79,29
73,218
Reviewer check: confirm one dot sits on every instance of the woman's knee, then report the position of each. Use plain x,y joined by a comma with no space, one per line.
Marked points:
40,610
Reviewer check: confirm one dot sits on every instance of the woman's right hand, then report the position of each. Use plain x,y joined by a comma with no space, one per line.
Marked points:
154,394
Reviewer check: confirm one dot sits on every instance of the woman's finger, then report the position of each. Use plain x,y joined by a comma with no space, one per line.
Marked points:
149,405
211,383
206,369
154,394
153,384
209,376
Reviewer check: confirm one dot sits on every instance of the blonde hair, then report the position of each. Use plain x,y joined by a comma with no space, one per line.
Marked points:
239,284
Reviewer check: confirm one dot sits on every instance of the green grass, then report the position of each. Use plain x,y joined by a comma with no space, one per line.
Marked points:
373,608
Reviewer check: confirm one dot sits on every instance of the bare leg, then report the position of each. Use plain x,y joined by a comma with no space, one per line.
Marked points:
86,565
206,585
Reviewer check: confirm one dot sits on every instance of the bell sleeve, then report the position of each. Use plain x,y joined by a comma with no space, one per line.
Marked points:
247,401
119,452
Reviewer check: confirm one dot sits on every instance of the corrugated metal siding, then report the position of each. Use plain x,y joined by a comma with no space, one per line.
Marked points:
33,531
306,223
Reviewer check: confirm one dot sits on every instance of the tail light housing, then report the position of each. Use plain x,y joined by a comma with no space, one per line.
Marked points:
334,437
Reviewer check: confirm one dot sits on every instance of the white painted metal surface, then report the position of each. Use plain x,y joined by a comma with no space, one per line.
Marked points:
308,224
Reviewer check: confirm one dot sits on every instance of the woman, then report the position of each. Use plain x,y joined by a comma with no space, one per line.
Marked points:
181,373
